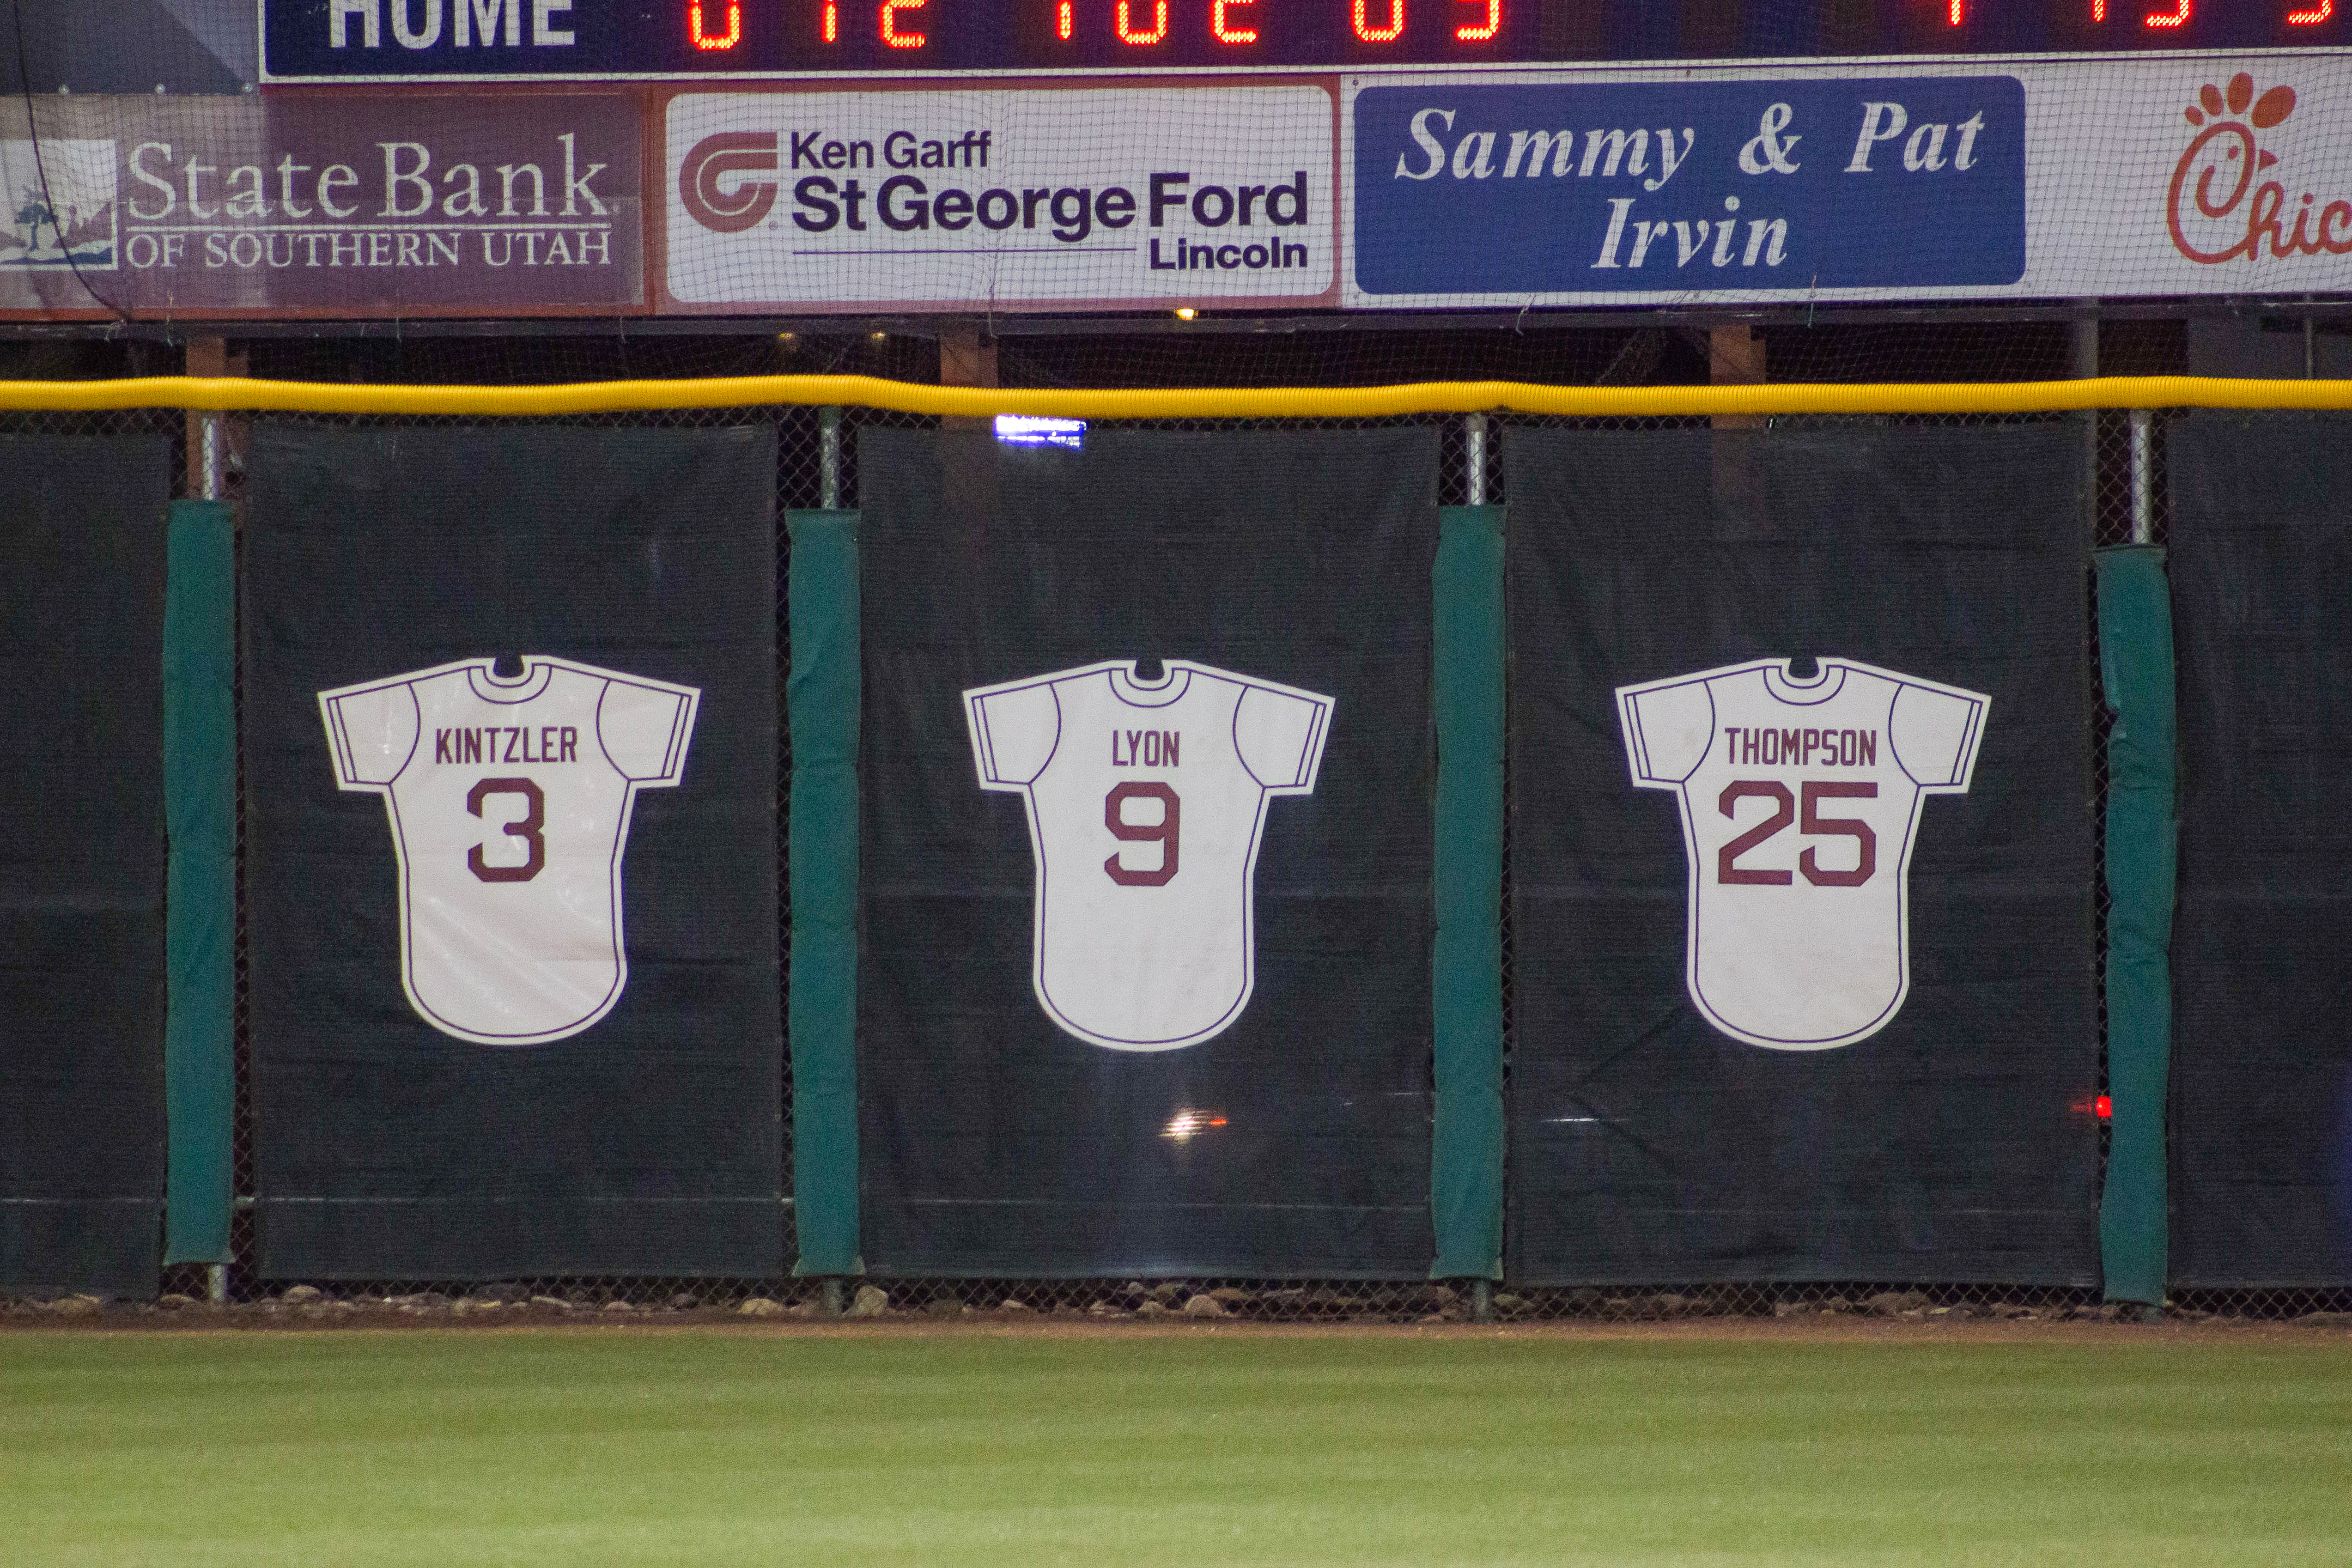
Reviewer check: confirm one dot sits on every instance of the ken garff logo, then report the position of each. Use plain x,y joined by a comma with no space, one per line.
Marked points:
2220,208
723,208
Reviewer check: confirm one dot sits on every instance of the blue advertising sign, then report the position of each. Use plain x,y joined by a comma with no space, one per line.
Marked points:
1669,187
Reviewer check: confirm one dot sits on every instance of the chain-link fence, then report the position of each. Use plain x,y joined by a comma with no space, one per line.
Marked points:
817,465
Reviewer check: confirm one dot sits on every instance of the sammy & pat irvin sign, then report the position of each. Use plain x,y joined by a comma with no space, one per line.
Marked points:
1683,187
1002,199
354,205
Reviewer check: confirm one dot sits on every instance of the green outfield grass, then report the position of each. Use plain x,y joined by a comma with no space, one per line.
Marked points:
1179,1447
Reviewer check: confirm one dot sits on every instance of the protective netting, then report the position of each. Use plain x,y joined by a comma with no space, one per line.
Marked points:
817,463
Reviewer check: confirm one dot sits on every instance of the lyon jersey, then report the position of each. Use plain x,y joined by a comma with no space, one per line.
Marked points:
509,803
1799,803
1146,805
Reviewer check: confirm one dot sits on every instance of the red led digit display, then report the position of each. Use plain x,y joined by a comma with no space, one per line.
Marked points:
1128,33
1388,31
703,36
894,35
1230,33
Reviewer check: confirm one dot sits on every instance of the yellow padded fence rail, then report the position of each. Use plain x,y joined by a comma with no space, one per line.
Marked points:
233,395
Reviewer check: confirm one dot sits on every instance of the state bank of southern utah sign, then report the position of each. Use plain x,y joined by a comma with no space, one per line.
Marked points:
350,204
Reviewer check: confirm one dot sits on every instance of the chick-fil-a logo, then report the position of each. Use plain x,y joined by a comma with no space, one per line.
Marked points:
2220,208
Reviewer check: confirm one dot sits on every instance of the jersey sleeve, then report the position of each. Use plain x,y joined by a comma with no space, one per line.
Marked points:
372,733
1013,734
1667,729
1279,735
1934,734
645,730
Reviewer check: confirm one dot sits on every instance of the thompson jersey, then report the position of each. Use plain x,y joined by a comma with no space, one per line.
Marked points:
1799,802
509,803
1146,804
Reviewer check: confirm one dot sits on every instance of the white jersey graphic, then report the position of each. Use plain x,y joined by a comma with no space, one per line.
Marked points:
1146,805
509,803
1799,802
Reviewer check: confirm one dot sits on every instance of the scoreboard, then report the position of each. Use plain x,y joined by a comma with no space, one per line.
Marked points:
345,40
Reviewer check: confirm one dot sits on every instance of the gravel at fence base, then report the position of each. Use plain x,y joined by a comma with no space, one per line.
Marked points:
1177,1308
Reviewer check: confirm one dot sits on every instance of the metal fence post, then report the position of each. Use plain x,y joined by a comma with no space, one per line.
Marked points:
2085,367
1474,457
2143,477
828,457
210,488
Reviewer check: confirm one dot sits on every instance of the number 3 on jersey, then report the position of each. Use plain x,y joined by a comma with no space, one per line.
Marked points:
526,828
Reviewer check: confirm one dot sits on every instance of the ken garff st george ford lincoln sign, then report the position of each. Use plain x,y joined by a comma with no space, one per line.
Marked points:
1910,179
1058,196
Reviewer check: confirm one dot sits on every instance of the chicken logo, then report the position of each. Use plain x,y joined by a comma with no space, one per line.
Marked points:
2221,208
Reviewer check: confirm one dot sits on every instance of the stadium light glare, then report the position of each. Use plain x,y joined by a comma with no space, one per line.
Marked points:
1186,1124
1033,430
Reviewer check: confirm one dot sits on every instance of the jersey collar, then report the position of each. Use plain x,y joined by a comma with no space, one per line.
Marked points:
1804,693
1128,689
536,674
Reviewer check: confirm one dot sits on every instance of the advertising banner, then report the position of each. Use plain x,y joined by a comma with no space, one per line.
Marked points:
331,205
511,769
2261,1062
1801,857
81,863
1947,179
1000,199
1144,973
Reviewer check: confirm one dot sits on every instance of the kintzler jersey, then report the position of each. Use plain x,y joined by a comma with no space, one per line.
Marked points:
509,803
1800,805
1146,805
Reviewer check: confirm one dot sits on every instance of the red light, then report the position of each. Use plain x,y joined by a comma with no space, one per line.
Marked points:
891,34
1387,35
832,22
2098,10
1062,21
1229,35
1127,33
2103,1108
1478,32
2318,13
2177,18
1954,13
706,40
